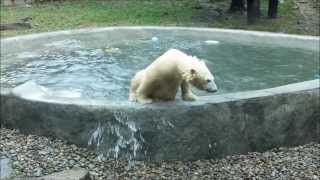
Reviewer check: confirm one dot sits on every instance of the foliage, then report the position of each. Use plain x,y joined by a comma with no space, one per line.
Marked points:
88,13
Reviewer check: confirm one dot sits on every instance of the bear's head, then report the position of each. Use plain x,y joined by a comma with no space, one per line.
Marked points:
201,77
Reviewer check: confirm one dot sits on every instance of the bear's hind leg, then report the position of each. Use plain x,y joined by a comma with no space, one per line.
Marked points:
186,92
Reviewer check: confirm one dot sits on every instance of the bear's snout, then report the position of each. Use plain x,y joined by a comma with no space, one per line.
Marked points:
212,87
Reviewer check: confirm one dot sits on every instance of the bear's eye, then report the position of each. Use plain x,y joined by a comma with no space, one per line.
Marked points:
208,81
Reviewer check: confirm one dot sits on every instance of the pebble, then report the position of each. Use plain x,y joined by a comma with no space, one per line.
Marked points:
38,156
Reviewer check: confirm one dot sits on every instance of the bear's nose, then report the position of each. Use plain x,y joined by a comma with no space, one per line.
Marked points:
212,87
212,90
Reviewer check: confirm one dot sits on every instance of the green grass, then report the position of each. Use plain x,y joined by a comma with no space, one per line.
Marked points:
89,13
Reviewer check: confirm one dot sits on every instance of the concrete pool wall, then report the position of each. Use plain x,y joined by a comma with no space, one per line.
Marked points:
214,126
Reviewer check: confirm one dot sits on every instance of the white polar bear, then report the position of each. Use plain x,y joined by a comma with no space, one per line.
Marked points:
162,78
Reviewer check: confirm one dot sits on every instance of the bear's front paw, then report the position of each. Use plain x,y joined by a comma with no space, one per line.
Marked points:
189,97
132,98
144,100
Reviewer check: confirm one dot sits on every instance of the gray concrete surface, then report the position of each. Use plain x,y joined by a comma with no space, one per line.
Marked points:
212,127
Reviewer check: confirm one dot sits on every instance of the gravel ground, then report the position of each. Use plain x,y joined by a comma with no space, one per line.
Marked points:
37,156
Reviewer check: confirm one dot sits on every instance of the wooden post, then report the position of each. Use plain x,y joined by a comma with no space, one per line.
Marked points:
253,11
273,8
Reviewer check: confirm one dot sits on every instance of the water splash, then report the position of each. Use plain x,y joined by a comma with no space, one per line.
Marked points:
25,55
97,136
167,123
68,93
118,138
125,140
211,42
67,43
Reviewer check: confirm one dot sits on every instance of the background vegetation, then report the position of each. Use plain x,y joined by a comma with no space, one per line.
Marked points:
61,15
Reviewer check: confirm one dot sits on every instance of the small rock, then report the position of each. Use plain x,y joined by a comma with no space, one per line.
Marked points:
91,166
43,152
5,168
38,172
72,174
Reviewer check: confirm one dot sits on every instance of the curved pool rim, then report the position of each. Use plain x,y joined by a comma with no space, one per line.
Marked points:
20,109
49,98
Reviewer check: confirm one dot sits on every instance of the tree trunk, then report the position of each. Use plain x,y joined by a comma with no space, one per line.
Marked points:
273,8
253,10
237,5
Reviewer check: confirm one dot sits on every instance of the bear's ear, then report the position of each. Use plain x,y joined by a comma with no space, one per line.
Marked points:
193,71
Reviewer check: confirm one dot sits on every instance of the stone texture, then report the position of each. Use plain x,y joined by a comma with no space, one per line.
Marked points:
72,174
5,168
174,130
277,163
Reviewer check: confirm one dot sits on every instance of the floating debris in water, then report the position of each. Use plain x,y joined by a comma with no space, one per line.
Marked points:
112,50
27,55
154,39
212,42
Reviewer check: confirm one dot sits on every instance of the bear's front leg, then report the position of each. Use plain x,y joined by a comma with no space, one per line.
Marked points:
186,92
141,94
134,85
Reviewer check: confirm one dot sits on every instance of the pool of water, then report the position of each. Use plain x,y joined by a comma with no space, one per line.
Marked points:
74,68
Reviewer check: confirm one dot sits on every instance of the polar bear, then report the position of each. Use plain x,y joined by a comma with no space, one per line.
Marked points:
162,78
